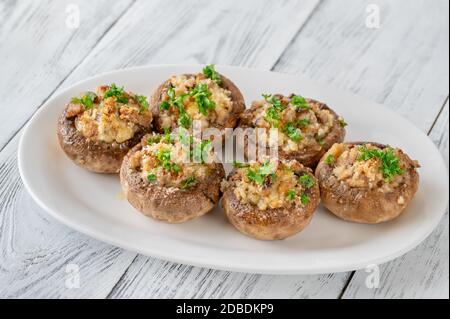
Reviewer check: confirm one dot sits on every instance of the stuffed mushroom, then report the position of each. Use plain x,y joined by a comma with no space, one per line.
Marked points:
367,182
171,177
207,97
97,129
306,128
270,200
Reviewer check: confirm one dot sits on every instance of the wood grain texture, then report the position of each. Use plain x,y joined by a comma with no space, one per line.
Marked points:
423,272
403,64
37,51
257,38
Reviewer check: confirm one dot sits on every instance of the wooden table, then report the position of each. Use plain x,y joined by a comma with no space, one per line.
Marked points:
402,64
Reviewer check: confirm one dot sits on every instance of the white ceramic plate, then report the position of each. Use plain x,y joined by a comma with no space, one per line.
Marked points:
93,204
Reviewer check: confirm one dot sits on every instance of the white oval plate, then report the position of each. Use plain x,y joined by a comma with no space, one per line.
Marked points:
93,204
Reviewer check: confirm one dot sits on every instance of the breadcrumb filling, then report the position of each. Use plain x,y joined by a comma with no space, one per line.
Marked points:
168,163
183,85
280,186
349,168
298,128
109,120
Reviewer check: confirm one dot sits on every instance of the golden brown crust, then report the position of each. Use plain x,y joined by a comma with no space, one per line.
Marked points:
269,224
309,156
171,204
94,155
236,97
362,205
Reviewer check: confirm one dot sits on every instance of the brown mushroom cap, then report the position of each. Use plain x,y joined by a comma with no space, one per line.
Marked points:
269,224
170,204
236,97
363,205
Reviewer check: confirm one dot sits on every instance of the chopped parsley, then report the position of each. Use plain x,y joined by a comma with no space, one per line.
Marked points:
143,103
199,153
201,94
188,182
292,132
210,72
117,92
167,135
164,105
304,199
87,100
291,194
306,181
390,163
329,160
239,165
303,122
300,102
153,139
321,141
151,177
259,175
342,122
184,120
163,157
272,114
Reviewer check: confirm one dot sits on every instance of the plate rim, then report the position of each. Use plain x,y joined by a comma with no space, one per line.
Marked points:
118,242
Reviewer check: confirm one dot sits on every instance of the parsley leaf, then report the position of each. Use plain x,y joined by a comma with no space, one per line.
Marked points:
143,103
303,122
329,160
304,199
292,132
188,182
87,100
306,181
151,177
163,157
210,72
300,102
199,153
201,95
259,175
342,122
390,163
117,92
164,105
291,194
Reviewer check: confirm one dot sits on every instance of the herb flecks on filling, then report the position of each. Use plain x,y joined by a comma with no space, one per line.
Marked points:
110,114
195,97
168,161
300,122
270,185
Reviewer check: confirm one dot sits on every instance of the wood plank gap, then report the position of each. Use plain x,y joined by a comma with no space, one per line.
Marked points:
113,289
438,115
313,11
347,284
66,76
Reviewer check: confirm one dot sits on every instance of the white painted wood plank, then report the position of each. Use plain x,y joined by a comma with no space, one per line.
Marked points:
423,272
35,251
37,51
149,278
103,58
403,64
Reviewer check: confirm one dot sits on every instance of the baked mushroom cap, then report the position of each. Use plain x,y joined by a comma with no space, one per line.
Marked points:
208,97
96,130
306,128
270,200
366,182
159,182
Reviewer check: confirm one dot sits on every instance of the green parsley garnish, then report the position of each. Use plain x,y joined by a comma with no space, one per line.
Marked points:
291,194
239,165
321,141
304,199
306,181
164,105
303,122
163,157
272,113
188,182
117,92
87,100
143,103
184,120
342,122
151,177
167,135
199,153
259,176
154,139
300,102
390,163
330,159
292,132
210,72
201,95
